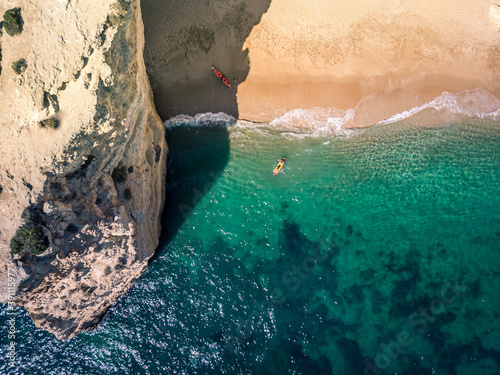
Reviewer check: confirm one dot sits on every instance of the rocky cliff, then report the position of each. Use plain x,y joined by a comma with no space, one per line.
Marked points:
82,150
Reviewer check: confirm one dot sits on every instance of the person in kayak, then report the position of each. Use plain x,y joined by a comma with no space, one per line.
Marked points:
279,166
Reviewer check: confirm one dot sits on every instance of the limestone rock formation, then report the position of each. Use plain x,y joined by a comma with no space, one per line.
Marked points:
494,16
95,173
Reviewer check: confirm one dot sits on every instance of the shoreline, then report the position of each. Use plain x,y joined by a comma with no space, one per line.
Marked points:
289,54
389,63
470,106
368,111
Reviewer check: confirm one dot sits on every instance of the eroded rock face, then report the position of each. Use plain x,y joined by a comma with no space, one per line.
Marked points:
494,16
98,179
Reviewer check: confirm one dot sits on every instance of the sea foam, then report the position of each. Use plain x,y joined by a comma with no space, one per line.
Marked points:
201,119
446,108
471,103
318,121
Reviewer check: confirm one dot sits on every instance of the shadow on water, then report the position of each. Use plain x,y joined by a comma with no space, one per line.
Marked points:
197,157
183,39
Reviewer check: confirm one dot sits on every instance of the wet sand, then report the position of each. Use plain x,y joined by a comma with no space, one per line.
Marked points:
402,54
289,54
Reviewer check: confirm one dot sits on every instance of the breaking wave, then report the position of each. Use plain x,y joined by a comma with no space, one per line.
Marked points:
445,109
202,119
471,103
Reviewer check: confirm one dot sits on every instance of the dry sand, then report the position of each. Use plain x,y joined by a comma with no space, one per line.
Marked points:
304,54
289,54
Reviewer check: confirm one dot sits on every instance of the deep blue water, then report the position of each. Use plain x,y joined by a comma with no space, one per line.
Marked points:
373,253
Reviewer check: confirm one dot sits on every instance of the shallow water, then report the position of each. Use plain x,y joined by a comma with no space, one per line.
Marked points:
374,252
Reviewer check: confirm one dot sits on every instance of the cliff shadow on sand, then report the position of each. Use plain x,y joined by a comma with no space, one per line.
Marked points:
183,41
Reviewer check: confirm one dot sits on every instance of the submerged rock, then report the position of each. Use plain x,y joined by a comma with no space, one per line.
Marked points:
86,57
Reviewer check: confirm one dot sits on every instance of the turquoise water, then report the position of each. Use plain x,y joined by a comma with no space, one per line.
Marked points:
373,253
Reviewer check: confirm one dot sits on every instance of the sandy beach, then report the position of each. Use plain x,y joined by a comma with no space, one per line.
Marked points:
299,54
336,54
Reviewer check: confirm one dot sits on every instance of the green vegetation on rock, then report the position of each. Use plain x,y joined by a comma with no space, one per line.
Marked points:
114,19
30,236
13,22
121,8
50,100
52,123
19,66
124,5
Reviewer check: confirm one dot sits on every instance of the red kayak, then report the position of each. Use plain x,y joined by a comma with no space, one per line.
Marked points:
221,76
